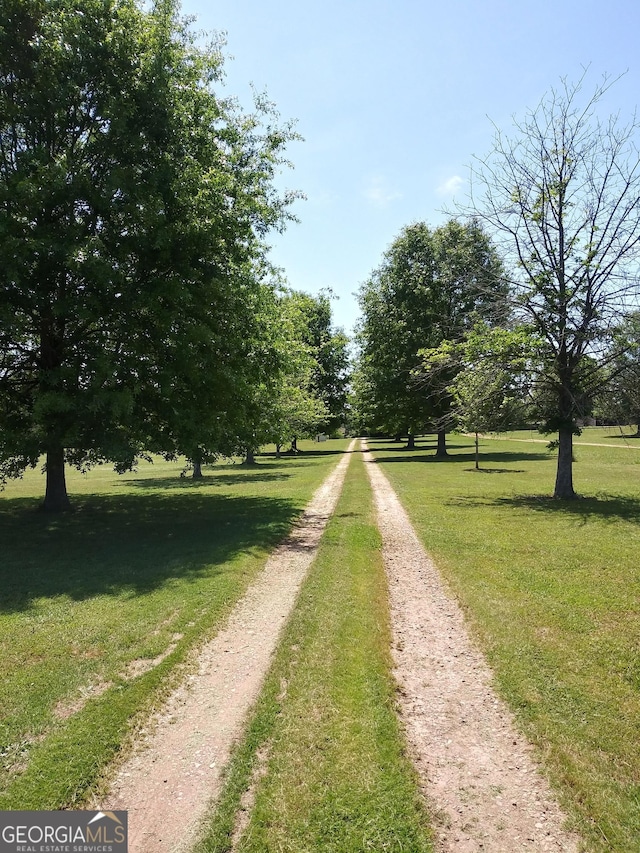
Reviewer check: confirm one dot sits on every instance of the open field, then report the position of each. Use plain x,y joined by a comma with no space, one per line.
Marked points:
612,435
99,607
323,747
552,590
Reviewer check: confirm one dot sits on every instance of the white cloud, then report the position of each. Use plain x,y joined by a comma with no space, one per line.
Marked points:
450,186
378,192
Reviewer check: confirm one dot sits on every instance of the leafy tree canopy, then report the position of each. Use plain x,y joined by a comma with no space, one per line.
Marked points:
309,393
329,348
619,399
432,286
133,201
489,376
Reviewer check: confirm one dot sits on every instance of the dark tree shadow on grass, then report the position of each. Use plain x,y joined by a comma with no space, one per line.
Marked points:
381,445
496,470
620,436
601,506
134,542
608,507
266,467
301,454
231,478
464,458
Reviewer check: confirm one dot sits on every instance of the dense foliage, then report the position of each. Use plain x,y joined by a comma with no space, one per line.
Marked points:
432,285
489,374
309,395
619,400
135,309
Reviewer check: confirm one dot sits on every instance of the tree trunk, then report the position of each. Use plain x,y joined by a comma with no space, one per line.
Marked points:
397,438
411,442
278,449
52,357
477,454
55,497
294,444
250,458
564,475
197,470
441,452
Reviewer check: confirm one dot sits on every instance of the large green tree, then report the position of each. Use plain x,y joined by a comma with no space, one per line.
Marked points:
308,392
329,349
133,202
227,376
432,285
488,375
562,197
291,406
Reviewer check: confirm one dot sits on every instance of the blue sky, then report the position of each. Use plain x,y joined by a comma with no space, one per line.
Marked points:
395,97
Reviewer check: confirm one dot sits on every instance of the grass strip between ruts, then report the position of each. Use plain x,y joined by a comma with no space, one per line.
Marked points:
323,747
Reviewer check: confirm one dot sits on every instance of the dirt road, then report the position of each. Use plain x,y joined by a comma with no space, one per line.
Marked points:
175,772
478,774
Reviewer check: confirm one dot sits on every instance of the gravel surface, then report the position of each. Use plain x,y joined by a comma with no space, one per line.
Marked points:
169,781
478,773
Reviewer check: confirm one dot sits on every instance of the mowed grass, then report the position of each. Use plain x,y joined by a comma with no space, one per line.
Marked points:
552,590
610,435
323,747
100,606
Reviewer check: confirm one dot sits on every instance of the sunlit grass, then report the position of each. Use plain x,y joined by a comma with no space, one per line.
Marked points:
147,565
335,775
611,435
552,590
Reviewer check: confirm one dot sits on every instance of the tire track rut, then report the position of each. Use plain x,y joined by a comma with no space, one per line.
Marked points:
175,772
477,772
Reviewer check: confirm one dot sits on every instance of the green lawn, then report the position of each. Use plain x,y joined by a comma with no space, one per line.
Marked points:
552,590
149,563
334,777
90,601
611,435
